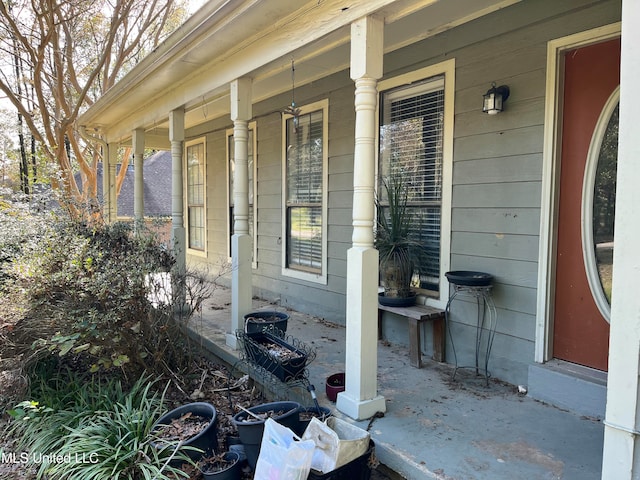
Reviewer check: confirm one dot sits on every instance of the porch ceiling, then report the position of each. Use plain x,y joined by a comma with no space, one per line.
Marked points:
228,39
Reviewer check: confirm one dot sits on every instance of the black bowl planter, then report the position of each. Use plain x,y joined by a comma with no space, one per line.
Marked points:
267,320
251,429
232,469
206,439
397,301
466,278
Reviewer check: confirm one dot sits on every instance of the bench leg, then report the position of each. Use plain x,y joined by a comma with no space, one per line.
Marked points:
415,358
439,340
380,312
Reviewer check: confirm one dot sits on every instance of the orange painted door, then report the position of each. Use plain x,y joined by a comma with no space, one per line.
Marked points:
581,333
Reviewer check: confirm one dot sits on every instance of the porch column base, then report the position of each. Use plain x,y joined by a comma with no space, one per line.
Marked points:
241,289
360,409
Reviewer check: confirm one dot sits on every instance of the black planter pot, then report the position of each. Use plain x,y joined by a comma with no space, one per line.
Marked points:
251,429
268,320
397,301
233,472
206,440
321,413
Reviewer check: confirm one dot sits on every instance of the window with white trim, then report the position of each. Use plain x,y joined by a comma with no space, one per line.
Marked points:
412,120
195,193
252,171
305,177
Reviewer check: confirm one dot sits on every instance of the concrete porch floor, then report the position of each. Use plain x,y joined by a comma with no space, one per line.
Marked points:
436,427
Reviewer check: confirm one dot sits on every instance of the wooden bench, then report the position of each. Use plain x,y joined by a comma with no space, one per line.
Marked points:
417,314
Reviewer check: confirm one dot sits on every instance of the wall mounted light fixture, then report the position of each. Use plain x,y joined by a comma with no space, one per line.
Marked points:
494,99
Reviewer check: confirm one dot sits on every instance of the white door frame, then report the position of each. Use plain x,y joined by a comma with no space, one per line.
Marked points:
550,180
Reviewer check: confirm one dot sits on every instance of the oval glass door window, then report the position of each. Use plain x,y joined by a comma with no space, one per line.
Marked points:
599,197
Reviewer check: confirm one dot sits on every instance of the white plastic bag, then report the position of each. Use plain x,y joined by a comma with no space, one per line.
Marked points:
337,443
282,456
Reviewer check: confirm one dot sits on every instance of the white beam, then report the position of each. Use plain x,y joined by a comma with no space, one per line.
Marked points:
178,236
360,399
622,420
138,175
241,283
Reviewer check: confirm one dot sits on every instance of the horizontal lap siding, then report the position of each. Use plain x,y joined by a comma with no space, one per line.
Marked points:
326,301
497,171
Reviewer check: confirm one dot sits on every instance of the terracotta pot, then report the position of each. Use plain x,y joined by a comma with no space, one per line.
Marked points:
334,385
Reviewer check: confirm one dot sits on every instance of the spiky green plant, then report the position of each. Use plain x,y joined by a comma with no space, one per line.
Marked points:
397,250
94,430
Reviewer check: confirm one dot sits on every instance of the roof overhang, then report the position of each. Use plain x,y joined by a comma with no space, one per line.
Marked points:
230,39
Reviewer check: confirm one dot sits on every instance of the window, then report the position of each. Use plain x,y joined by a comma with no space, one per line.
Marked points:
414,144
196,231
305,147
251,149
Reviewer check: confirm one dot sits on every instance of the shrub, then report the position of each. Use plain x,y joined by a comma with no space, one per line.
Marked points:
103,294
96,430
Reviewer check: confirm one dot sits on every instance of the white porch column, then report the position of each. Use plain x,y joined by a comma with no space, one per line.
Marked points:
360,399
138,175
621,458
178,237
241,289
109,182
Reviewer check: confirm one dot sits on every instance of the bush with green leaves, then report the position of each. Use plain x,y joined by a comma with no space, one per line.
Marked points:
107,295
81,429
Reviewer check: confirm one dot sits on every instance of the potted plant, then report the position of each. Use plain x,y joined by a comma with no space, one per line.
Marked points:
397,250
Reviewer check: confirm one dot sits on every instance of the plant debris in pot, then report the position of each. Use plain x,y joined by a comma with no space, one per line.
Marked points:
183,428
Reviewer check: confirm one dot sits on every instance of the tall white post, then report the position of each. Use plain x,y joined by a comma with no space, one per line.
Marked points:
109,182
241,288
178,236
138,176
360,399
621,457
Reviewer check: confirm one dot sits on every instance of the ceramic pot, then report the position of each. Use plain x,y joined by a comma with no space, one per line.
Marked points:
334,385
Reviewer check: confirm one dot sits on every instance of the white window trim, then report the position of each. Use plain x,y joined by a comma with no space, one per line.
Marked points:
588,185
229,133
290,272
448,69
192,251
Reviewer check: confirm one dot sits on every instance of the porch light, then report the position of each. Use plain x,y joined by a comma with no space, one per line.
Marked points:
494,98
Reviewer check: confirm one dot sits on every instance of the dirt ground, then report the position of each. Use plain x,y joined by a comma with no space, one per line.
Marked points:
207,382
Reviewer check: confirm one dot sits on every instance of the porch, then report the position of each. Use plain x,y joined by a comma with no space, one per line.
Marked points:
435,427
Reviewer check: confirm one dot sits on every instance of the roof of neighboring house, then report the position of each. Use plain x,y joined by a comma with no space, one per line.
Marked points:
157,187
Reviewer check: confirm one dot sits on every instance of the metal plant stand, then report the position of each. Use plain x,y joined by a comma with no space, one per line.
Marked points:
281,379
486,322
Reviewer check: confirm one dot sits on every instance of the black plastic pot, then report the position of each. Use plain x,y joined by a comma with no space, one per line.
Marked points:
321,413
251,429
206,440
267,320
232,472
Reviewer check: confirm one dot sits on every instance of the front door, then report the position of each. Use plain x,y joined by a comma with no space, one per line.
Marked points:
581,332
